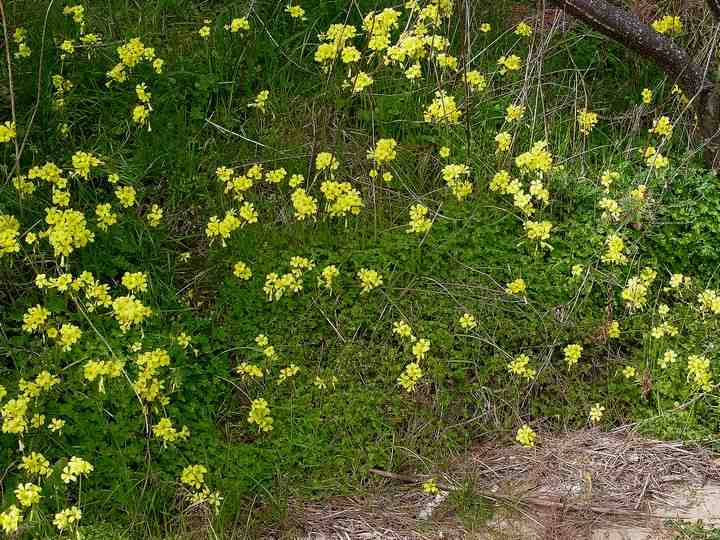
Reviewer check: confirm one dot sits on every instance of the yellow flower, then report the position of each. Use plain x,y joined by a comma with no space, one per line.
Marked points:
402,329
35,318
75,467
165,431
384,151
443,110
409,378
523,30
419,222
514,112
572,354
526,436
140,114
476,81
56,424
369,279
126,196
304,204
240,23
296,12
28,494
629,372
67,518
135,281
516,286
669,24
646,96
359,82
288,372
155,215
10,519
596,412
662,127
327,276
249,370
503,140
431,487
242,271
587,121
421,348
204,32
325,161
260,102
615,248
105,216
467,321
194,476
509,63
520,366
260,415
7,132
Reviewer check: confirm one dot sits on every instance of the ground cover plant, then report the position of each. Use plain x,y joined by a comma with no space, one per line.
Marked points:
249,251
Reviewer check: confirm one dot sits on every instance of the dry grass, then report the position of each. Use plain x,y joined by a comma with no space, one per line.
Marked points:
567,487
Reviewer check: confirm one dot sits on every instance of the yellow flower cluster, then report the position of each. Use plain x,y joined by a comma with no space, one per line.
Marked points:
596,412
615,250
276,286
129,311
419,222
341,198
516,286
669,24
238,24
147,384
260,415
7,132
587,121
131,54
467,321
287,373
526,436
76,467
663,127
260,101
296,12
409,378
369,279
699,374
249,370
194,476
572,354
233,220
99,369
520,366
455,176
443,110
242,270
67,518
9,232
509,63
305,205
165,431
20,38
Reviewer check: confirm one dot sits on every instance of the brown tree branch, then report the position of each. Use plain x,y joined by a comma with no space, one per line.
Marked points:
627,29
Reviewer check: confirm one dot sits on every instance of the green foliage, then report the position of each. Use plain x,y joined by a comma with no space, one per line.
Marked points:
324,440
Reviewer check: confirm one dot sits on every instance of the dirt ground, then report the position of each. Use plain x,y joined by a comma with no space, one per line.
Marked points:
583,485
